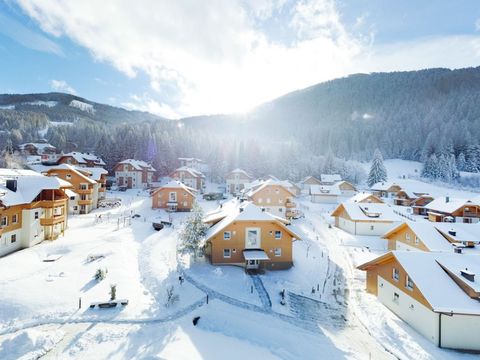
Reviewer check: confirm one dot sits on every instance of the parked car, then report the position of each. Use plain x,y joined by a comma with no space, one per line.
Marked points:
214,196
122,188
158,226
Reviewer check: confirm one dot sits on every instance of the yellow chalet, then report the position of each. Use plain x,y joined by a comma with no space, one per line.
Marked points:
435,293
243,234
274,197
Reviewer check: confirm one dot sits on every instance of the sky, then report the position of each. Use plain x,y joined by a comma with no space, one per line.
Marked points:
187,57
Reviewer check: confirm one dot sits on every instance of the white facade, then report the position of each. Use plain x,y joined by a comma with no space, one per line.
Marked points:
135,178
370,228
237,183
417,315
275,210
457,331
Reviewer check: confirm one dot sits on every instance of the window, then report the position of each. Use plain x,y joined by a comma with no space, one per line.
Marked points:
417,240
68,176
396,298
83,186
408,283
75,208
395,274
226,253
13,238
280,210
4,221
185,203
227,235
407,237
268,200
36,215
14,218
278,251
371,227
278,234
280,201
252,238
72,197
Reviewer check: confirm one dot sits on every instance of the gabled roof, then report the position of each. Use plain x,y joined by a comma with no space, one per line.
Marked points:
427,234
384,186
330,178
176,185
95,173
442,205
29,185
82,158
459,232
328,190
428,271
314,179
38,146
240,171
236,210
138,164
191,171
360,197
367,212
262,185
51,170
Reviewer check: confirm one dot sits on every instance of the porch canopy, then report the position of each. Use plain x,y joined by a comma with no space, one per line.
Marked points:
255,255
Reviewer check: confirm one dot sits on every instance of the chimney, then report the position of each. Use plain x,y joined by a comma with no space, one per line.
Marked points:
263,209
447,199
457,250
470,276
452,232
12,185
241,209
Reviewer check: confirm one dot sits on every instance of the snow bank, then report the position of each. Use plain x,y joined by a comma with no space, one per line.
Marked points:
29,344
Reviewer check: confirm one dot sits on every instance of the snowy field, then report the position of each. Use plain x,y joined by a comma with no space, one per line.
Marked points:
327,313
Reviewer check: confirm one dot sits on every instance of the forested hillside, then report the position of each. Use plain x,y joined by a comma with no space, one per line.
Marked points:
408,115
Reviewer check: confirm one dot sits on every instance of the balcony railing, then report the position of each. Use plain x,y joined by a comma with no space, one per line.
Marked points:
85,202
52,220
84,191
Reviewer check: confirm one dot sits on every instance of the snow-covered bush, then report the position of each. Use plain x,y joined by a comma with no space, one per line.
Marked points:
171,298
193,232
101,274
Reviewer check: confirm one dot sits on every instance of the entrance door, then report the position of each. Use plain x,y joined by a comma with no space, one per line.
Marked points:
253,264
252,238
129,182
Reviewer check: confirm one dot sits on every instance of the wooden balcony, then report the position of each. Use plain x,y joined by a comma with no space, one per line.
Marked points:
84,191
85,202
52,220
290,204
47,204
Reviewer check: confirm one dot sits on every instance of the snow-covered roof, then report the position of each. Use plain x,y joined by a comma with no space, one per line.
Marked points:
330,178
436,285
236,210
173,184
383,186
258,186
460,232
310,178
328,190
94,173
359,197
70,193
240,171
29,185
368,212
190,159
138,164
255,255
39,146
191,171
51,169
427,233
447,204
82,158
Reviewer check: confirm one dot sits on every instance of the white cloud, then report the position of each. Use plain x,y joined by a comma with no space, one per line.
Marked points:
216,58
62,85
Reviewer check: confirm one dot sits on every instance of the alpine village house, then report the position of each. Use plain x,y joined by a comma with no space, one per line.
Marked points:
244,234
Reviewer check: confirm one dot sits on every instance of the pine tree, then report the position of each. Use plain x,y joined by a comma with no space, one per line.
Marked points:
461,162
193,232
378,172
430,167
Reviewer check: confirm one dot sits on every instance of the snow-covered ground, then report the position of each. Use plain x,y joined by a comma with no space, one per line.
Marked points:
327,312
